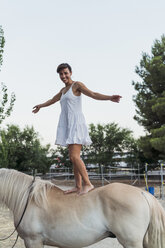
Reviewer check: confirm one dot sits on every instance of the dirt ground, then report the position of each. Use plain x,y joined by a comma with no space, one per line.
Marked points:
6,227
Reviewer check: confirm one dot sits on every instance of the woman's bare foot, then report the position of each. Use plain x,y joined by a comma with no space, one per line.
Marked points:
86,189
73,190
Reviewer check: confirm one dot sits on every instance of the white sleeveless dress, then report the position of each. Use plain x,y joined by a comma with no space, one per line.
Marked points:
72,128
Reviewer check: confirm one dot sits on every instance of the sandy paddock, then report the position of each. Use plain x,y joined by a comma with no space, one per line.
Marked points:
6,227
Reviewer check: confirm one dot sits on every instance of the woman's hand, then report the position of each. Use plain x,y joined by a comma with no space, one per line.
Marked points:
56,98
36,108
115,98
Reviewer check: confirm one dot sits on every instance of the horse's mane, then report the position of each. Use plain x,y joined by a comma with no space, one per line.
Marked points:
14,190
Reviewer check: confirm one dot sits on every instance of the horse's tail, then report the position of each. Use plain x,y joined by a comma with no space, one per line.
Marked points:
155,235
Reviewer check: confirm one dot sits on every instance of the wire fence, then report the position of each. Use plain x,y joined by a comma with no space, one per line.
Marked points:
152,181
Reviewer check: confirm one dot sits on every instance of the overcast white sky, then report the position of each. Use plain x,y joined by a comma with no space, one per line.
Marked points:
103,40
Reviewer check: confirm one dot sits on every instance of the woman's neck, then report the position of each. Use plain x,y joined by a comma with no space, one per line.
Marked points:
69,83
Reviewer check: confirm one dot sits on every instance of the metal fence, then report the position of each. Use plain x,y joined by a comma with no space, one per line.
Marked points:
148,180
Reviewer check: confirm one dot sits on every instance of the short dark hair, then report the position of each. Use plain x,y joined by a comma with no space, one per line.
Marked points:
64,66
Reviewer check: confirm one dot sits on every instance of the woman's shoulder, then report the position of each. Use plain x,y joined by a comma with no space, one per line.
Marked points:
62,90
78,84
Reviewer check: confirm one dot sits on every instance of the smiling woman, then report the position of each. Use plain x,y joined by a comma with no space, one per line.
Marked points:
72,130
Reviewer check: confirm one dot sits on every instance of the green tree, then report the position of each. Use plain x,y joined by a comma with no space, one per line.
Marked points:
6,106
110,145
21,150
2,44
150,101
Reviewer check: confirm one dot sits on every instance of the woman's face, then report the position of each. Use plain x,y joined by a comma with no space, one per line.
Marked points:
65,75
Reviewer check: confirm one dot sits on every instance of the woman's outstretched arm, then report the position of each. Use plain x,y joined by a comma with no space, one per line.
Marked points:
53,100
82,88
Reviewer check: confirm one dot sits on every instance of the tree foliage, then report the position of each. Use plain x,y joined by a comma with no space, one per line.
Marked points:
2,44
6,106
150,100
110,143
22,150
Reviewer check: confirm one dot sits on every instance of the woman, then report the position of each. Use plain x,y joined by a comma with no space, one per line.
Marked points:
72,130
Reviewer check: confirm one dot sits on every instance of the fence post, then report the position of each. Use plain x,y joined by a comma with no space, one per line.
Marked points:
139,173
131,172
68,173
146,175
102,175
162,190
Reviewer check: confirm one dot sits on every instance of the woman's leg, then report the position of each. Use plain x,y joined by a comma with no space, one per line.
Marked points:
78,180
79,169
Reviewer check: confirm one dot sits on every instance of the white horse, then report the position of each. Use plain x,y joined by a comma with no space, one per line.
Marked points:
53,218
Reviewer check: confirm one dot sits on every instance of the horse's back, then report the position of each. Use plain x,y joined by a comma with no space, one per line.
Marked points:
119,191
